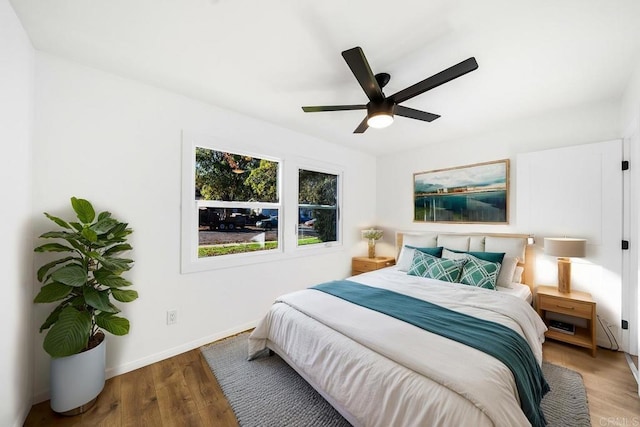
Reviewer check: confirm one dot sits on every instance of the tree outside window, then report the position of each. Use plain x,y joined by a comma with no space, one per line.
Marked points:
318,201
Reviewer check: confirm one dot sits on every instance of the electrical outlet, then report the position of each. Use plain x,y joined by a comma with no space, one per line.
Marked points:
172,317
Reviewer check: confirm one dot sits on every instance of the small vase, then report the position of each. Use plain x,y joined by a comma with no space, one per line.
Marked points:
372,248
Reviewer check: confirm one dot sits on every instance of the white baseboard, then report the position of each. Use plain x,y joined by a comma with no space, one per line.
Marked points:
136,364
25,413
165,354
633,367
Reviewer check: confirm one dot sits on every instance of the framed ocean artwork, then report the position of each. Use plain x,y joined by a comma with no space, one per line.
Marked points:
476,193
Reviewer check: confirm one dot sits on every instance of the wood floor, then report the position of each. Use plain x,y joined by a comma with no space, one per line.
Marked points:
182,391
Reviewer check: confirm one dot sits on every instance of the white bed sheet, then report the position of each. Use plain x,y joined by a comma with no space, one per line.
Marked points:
379,371
518,290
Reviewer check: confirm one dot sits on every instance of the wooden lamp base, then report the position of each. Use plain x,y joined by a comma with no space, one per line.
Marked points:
564,275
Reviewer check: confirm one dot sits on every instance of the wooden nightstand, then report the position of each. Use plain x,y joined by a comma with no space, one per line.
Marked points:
574,304
362,264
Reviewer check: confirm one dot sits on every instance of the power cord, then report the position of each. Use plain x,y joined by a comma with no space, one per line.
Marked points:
610,335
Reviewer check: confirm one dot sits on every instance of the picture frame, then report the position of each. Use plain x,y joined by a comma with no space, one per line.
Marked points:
472,194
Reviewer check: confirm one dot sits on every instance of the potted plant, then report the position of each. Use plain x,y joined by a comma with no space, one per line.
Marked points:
83,280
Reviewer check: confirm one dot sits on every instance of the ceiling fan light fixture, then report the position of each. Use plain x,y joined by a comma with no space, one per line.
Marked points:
380,115
380,120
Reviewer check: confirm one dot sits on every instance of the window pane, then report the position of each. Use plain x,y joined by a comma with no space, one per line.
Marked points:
235,177
317,207
237,197
224,231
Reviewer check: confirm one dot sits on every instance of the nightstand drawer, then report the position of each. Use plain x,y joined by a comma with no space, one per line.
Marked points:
566,306
364,264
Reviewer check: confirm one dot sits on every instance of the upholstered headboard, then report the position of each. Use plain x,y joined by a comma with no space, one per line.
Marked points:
514,245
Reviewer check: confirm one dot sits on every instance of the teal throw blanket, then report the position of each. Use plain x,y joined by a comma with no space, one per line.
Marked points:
496,340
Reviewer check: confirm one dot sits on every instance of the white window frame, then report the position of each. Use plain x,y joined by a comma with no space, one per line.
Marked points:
190,262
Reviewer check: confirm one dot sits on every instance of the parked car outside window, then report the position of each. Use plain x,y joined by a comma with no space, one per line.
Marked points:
268,223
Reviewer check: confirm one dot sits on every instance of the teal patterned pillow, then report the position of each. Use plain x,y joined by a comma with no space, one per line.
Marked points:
425,265
480,273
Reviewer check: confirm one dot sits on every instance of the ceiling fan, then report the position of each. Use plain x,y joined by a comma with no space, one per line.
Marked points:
380,108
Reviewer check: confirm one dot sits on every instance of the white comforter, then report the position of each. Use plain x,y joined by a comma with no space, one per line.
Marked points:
380,371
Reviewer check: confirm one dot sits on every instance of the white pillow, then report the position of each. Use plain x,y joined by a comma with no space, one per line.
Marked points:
505,277
458,243
517,275
424,240
446,253
514,247
405,258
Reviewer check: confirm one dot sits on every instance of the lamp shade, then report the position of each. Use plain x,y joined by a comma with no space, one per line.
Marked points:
565,247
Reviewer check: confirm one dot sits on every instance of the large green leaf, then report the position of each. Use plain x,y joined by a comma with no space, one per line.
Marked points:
57,235
115,264
103,215
75,242
52,292
114,324
104,225
84,210
106,278
76,225
42,271
77,301
53,317
53,247
99,300
118,248
119,231
123,295
70,334
90,235
60,222
72,275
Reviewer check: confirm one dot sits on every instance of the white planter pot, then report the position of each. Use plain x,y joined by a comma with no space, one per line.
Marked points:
76,381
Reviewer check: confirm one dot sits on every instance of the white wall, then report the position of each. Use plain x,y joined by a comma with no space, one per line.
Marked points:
16,103
117,143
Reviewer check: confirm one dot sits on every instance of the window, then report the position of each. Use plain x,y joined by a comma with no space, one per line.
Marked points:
318,213
231,206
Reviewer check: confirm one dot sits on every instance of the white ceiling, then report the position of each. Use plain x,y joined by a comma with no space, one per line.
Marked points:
268,58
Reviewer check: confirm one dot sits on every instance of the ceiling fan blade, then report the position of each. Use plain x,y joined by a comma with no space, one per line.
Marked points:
436,80
333,108
415,114
359,66
362,126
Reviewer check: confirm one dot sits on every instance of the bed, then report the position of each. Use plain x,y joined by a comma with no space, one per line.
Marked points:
380,369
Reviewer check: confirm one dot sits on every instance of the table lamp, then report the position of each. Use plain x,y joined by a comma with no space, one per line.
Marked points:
564,248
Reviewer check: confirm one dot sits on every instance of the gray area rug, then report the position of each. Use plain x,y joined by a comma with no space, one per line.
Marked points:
266,392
